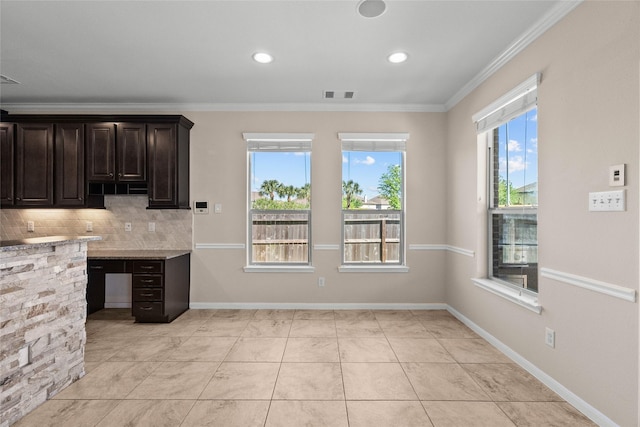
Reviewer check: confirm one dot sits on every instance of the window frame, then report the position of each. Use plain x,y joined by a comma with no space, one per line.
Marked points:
372,142
284,143
497,210
512,104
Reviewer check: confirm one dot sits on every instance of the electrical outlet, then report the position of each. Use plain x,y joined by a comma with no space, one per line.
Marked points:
127,226
31,226
152,227
321,281
550,337
89,226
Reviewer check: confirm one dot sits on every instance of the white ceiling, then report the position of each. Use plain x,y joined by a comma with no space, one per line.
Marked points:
197,54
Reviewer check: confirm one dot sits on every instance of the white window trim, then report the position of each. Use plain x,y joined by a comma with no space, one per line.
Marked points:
519,297
377,141
274,141
520,99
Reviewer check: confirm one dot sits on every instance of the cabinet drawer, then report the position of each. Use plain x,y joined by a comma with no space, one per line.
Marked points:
147,281
143,294
148,266
146,309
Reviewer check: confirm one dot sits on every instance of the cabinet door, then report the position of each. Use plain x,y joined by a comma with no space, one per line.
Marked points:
6,164
162,165
101,152
131,143
69,149
34,165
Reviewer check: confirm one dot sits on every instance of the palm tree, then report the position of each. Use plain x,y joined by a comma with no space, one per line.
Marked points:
350,189
304,192
287,191
270,188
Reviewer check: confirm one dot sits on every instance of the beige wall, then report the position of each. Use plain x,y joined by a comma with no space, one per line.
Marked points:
219,175
588,114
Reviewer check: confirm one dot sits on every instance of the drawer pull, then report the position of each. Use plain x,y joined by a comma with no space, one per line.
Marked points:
148,267
146,295
146,308
146,281
96,267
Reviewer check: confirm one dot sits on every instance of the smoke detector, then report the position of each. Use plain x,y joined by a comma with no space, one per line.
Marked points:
371,8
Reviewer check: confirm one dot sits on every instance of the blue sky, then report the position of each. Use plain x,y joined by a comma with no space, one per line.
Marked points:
519,149
363,167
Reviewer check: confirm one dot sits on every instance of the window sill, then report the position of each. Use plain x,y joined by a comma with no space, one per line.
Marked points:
373,269
279,269
520,298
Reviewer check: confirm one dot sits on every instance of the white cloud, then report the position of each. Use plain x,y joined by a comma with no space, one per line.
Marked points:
534,118
368,161
344,159
514,146
517,163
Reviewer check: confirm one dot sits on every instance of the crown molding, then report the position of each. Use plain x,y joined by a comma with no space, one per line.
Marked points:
548,20
185,107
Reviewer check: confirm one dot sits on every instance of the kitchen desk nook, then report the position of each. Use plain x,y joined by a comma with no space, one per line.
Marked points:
160,281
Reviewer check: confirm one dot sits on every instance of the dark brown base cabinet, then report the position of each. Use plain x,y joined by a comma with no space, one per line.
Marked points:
159,290
54,160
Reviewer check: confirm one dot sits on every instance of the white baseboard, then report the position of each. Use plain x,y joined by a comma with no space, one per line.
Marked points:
589,411
315,306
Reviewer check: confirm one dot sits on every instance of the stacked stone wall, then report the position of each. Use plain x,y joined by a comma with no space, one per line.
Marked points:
42,324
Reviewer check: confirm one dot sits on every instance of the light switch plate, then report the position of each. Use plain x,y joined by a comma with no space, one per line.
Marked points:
616,176
607,201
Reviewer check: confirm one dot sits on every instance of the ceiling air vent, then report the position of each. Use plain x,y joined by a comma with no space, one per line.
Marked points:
338,94
8,80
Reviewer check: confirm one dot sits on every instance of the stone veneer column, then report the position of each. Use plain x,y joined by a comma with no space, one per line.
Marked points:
42,324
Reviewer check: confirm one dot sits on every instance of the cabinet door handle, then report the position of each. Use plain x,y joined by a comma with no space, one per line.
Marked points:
120,174
111,174
18,198
9,198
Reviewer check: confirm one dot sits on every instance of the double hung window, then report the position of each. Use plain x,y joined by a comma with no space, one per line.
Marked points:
510,132
279,198
373,198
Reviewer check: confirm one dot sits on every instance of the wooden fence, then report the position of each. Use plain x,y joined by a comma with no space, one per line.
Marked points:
283,236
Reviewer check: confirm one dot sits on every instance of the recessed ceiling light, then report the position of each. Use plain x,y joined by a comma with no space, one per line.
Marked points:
397,57
371,8
262,57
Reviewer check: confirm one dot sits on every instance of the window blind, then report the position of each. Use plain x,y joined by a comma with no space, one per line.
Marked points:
519,100
373,141
299,142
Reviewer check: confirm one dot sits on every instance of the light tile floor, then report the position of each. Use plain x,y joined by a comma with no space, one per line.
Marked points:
298,368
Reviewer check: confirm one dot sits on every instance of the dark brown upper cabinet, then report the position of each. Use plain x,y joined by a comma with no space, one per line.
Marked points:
168,154
101,152
34,165
6,165
144,153
69,165
131,149
116,152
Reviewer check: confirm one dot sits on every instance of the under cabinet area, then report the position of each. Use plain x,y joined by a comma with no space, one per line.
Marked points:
74,160
160,282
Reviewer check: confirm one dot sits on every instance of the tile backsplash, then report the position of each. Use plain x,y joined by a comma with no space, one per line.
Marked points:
173,227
